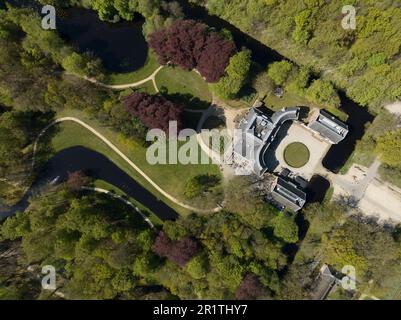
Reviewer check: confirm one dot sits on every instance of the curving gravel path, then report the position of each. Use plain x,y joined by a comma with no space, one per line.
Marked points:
152,78
122,155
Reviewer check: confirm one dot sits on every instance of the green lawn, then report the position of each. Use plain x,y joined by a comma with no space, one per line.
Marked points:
186,87
337,113
146,87
287,100
235,104
169,177
150,66
296,155
361,155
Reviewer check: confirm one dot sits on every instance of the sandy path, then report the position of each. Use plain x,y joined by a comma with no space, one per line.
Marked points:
152,78
394,107
125,158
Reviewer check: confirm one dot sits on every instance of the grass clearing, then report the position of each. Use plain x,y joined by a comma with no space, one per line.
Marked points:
169,177
147,87
337,113
186,87
150,66
287,100
234,104
296,155
363,156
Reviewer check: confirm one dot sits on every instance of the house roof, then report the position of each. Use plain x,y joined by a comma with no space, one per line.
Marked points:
324,284
259,130
326,132
289,195
329,127
338,122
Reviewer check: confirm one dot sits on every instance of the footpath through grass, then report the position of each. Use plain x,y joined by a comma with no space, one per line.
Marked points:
150,66
170,178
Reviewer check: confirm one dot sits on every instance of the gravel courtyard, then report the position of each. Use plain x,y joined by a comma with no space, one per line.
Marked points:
317,148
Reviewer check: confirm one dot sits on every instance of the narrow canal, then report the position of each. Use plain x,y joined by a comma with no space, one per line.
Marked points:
97,166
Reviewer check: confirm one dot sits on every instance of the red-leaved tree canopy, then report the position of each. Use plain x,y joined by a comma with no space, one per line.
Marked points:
179,252
154,111
250,288
76,180
190,44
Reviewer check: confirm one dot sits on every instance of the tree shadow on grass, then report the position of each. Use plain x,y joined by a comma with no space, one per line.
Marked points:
187,100
215,122
191,119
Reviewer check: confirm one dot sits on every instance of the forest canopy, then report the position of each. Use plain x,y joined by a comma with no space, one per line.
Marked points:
102,249
365,62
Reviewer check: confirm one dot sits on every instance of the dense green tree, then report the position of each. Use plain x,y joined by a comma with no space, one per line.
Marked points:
125,9
228,250
237,75
279,71
145,265
74,232
74,63
389,148
269,252
263,84
286,228
15,227
248,203
298,80
198,266
18,131
337,238
229,269
363,245
340,252
10,147
106,9
304,25
323,93
175,231
123,280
